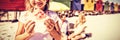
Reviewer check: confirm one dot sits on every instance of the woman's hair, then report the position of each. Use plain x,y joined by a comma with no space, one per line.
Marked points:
29,7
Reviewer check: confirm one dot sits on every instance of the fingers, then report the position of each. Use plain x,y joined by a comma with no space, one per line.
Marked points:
29,26
49,23
52,22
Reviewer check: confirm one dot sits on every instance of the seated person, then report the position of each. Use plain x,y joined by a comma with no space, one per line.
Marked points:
79,29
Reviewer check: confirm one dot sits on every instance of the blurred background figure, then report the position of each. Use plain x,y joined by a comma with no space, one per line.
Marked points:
89,5
116,7
106,7
112,7
99,6
79,28
76,5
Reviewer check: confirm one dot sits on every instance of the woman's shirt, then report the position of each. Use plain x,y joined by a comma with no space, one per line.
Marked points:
79,27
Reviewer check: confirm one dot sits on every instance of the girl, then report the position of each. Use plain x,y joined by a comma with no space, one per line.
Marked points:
37,23
63,26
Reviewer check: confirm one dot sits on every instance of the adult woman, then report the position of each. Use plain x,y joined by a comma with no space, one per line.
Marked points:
79,28
37,23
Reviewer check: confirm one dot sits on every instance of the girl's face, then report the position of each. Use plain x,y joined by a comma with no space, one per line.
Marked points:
39,4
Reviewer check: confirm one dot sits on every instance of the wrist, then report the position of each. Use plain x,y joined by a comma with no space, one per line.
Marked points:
27,34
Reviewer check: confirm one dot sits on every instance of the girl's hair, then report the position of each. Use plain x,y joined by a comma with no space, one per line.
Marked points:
29,7
47,5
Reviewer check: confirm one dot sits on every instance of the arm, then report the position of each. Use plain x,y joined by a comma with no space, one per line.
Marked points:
20,35
23,33
57,27
77,31
50,24
76,23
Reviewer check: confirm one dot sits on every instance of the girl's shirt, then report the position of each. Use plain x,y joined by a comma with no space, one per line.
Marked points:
40,30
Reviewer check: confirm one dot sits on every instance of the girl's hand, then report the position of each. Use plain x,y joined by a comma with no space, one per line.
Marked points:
50,24
29,26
